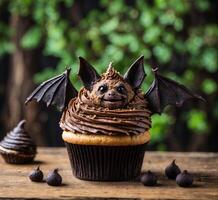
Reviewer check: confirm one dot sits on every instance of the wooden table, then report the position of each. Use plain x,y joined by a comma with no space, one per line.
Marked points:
14,182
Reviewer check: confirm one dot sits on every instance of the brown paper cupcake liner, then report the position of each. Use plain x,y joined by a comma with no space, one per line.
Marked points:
106,163
16,158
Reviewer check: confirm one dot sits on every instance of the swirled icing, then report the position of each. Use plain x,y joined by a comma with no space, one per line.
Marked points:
19,140
82,116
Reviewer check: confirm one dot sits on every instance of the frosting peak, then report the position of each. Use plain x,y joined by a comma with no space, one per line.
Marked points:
111,73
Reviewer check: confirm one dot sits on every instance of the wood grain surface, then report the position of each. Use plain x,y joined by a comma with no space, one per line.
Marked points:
14,181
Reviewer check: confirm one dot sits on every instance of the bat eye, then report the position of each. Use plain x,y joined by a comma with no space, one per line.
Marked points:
103,88
121,89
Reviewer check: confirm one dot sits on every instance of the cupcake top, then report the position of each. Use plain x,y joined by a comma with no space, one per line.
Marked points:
19,140
110,104
110,107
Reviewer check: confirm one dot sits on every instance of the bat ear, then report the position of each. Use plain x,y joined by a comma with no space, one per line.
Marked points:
136,73
87,73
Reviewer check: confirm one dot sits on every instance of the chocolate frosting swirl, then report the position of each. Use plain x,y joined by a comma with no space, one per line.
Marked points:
19,140
82,116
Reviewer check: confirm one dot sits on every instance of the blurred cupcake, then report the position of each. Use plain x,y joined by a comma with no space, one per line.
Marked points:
17,147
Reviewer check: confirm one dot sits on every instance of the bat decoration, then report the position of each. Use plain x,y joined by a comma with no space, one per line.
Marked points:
165,91
56,91
87,73
135,74
112,90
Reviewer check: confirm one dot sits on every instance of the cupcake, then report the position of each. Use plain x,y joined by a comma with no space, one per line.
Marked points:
106,124
17,147
106,139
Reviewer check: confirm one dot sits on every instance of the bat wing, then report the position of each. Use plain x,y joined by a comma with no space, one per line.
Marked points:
165,91
56,91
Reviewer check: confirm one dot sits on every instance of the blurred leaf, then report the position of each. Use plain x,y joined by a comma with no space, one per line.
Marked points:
69,3
189,75
211,34
167,18
209,86
117,7
152,34
6,47
169,38
202,5
178,24
109,26
159,128
163,53
20,7
146,52
162,4
197,122
32,38
209,60
47,73
114,53
194,44
147,18
181,7
56,41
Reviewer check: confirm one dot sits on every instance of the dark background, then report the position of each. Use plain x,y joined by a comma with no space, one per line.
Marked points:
38,39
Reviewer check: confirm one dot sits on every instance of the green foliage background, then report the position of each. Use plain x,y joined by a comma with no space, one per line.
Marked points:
167,32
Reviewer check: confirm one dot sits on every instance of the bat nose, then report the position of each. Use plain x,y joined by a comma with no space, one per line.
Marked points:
111,93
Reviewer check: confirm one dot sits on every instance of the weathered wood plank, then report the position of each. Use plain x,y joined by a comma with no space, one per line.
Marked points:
14,182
